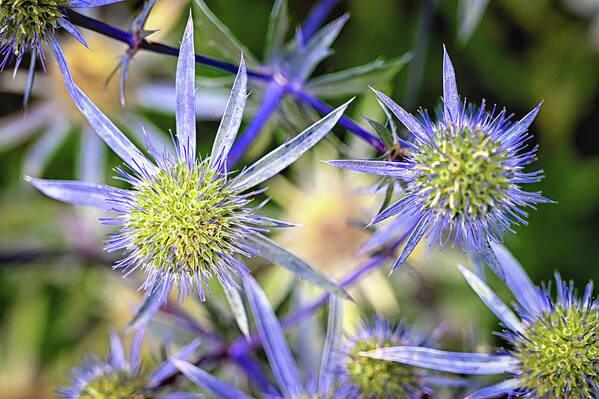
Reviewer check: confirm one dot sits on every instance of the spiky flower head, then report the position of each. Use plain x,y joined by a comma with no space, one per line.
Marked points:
363,377
552,346
26,24
119,376
184,220
558,349
184,224
461,175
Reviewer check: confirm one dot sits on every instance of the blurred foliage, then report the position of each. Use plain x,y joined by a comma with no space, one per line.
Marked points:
58,298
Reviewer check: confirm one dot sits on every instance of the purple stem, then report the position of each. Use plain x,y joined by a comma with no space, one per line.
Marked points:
347,123
253,371
272,96
316,18
129,38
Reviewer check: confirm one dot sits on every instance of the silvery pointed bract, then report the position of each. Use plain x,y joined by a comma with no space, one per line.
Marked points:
184,220
27,24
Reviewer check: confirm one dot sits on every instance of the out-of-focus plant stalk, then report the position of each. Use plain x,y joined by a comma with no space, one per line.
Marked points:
137,42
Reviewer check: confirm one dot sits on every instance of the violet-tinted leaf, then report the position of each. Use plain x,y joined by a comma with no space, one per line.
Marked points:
453,362
408,120
413,240
231,120
279,255
328,361
305,60
185,111
380,168
91,3
278,25
518,281
470,14
73,192
496,390
284,155
41,152
167,369
451,100
117,353
520,127
491,300
271,334
211,384
238,309
154,298
69,27
491,260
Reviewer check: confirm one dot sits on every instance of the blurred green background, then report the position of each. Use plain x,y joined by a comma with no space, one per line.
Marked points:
58,297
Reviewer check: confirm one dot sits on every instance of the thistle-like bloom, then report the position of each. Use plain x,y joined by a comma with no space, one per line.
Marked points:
26,24
553,346
122,377
184,220
362,377
461,175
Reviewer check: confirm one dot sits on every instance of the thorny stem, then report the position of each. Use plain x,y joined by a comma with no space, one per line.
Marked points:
143,44
129,38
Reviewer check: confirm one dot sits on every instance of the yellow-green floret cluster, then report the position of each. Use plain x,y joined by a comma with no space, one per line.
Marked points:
364,377
115,385
559,356
462,175
183,225
25,22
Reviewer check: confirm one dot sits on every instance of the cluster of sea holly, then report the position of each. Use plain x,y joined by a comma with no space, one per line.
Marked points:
183,220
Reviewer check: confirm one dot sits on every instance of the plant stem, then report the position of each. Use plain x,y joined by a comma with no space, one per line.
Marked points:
130,39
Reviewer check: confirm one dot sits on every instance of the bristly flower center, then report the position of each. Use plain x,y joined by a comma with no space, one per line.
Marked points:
23,23
464,175
379,379
560,353
115,385
184,221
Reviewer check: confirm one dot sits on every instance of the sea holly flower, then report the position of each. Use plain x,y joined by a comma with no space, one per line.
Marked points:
26,24
120,376
461,175
361,377
553,344
185,220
